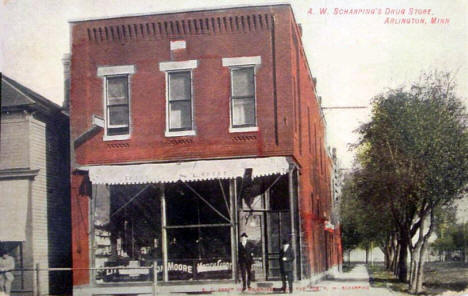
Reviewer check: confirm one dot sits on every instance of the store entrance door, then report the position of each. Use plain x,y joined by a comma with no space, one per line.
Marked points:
278,228
253,224
265,231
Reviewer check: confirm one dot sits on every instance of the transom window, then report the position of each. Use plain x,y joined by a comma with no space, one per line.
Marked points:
117,106
243,97
180,101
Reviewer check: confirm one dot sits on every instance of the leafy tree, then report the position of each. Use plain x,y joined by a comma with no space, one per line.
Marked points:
414,161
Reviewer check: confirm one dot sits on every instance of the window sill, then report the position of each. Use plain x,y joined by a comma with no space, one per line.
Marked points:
180,133
243,129
116,138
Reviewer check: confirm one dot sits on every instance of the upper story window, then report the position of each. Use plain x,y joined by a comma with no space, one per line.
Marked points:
117,106
179,98
243,98
180,101
116,101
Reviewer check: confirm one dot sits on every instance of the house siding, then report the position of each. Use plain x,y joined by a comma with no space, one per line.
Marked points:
14,146
37,137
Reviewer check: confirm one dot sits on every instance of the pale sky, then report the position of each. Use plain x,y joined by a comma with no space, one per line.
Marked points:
354,57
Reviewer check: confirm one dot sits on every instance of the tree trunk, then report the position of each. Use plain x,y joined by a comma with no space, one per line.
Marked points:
413,265
396,259
420,272
417,284
402,265
367,255
386,251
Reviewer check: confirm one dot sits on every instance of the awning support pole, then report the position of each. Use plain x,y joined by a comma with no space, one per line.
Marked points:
274,182
205,201
233,199
292,209
164,232
225,199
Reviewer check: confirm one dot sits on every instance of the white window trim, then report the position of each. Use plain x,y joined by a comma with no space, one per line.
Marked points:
180,133
115,70
109,71
243,129
174,67
242,61
236,63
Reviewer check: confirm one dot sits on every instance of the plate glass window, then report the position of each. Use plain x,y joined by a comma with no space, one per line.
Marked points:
180,101
117,103
243,97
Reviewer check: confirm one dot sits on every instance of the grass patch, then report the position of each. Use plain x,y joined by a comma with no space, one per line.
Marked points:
439,277
381,278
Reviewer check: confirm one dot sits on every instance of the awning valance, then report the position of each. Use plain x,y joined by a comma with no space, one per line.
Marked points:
13,209
186,171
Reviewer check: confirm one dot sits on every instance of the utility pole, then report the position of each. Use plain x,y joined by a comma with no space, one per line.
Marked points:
344,107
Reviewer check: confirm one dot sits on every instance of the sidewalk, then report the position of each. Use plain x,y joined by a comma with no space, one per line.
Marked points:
352,283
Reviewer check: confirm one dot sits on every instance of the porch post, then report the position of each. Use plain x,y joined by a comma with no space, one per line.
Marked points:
233,210
292,215
164,233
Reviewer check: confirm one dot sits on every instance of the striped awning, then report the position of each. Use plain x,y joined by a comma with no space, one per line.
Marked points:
186,171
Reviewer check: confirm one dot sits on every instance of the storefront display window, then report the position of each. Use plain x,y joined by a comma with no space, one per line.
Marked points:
126,232
199,230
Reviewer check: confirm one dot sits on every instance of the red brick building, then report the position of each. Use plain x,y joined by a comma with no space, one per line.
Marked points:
188,129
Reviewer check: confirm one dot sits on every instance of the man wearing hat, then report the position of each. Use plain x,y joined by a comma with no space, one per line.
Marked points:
245,260
7,265
286,258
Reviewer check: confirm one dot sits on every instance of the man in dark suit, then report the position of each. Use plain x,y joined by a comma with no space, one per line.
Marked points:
245,261
286,258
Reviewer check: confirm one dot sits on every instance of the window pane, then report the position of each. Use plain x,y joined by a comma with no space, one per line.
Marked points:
180,116
118,115
243,82
118,131
117,90
179,86
243,112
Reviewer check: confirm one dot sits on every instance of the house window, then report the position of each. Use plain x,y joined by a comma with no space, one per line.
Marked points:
243,98
117,106
179,101
117,101
179,111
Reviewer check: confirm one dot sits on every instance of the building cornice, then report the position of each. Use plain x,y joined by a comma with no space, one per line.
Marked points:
20,173
188,10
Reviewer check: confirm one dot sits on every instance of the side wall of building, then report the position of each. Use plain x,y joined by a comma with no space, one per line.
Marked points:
311,153
50,206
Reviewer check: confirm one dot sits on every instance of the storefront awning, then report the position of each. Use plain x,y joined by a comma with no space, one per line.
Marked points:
186,171
13,209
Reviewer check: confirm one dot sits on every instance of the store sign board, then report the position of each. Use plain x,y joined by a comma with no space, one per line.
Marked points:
177,269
